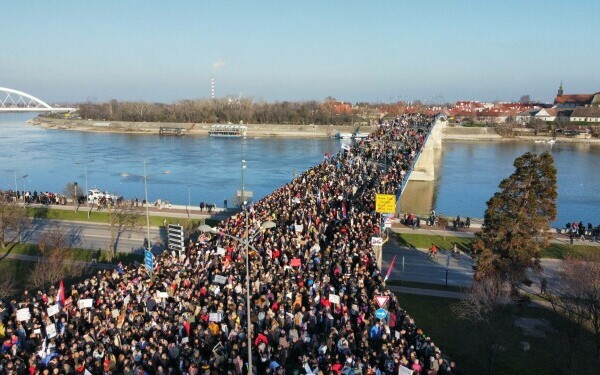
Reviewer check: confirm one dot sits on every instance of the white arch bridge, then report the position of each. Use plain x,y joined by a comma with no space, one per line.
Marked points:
19,101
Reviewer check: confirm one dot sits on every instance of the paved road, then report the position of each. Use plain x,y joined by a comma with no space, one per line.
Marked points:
92,236
419,268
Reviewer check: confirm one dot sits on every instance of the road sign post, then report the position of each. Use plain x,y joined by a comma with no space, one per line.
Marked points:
149,261
176,238
382,300
381,313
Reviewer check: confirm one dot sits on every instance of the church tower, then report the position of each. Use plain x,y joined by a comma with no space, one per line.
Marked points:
560,90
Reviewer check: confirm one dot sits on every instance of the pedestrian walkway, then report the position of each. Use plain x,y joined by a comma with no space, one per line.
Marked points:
559,238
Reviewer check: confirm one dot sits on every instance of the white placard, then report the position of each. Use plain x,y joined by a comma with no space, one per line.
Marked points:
53,310
214,317
376,241
220,251
126,301
404,371
23,314
114,313
162,295
299,228
37,331
185,340
51,331
219,279
85,303
334,298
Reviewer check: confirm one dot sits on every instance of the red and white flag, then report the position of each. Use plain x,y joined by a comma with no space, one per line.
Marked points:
60,295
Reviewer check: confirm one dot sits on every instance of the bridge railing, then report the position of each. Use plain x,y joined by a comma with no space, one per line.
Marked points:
404,182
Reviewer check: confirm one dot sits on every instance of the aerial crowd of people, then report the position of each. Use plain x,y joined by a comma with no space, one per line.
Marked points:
313,280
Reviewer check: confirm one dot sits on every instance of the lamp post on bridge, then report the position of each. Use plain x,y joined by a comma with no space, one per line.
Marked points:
246,243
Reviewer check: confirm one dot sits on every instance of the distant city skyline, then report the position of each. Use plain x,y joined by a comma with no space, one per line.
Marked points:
156,51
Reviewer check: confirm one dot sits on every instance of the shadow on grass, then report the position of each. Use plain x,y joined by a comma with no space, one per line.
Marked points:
546,355
402,242
38,212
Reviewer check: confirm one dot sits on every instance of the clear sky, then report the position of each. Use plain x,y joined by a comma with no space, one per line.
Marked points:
75,50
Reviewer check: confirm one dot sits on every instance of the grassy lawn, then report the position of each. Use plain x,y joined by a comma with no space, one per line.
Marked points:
424,241
561,251
76,254
100,216
554,251
458,339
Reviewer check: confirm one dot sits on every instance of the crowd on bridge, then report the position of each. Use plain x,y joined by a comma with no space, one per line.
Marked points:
313,279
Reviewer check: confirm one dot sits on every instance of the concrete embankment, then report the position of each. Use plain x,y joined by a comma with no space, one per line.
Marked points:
254,130
489,134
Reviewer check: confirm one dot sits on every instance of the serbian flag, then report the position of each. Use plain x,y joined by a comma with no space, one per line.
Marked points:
390,269
60,295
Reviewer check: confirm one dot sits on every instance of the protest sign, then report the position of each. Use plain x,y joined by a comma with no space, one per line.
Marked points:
85,303
23,314
162,295
53,310
51,331
334,298
219,279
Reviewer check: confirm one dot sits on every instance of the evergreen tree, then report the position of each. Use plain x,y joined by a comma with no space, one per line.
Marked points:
517,220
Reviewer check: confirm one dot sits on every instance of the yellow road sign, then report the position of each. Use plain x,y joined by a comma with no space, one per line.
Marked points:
385,203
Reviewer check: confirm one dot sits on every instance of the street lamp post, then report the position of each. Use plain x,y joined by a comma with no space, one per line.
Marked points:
247,271
189,205
146,176
87,192
246,243
16,186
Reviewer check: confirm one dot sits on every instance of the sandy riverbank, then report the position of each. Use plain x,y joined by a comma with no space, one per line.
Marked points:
461,134
254,130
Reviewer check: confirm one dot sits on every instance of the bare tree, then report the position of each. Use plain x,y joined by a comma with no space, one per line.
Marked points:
525,99
120,218
8,283
566,299
487,304
13,220
73,190
55,263
579,295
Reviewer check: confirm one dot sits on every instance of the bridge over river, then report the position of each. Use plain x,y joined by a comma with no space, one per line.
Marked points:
296,266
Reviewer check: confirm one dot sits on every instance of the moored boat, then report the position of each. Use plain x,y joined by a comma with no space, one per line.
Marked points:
228,131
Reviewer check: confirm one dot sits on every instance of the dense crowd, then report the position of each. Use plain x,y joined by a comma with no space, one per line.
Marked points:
313,279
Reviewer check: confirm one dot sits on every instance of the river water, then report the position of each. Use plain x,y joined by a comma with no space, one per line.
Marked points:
209,169
468,174
210,166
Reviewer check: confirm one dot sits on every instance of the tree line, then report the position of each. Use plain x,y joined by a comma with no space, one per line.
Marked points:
228,110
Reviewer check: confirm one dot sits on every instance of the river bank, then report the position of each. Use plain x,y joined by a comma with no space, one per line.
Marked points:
463,134
196,129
